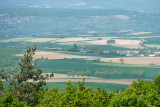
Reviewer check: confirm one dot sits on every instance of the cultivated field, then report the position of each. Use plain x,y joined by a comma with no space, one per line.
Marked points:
119,42
135,60
65,78
42,40
152,46
127,60
17,39
131,44
139,33
97,42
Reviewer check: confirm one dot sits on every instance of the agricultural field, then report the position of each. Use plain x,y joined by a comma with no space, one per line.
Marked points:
8,60
107,86
61,85
152,46
64,66
124,43
115,57
126,60
79,53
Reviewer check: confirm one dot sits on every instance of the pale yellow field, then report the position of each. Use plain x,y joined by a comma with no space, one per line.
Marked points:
103,38
90,80
55,55
42,39
71,43
131,44
128,60
97,42
65,78
71,39
17,39
85,35
135,60
139,33
87,40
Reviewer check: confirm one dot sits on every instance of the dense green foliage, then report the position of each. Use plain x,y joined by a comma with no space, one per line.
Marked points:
75,96
141,93
9,101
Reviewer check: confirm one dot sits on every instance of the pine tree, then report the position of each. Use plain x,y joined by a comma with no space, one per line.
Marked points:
28,80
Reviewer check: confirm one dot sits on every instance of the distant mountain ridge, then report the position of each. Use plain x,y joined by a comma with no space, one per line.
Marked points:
147,6
44,21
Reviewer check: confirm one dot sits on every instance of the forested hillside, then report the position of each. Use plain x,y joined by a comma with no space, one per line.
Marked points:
35,22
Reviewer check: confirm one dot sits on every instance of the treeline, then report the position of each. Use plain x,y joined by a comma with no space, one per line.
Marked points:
107,74
82,73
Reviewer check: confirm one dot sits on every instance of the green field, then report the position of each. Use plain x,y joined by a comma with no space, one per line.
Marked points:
107,86
68,65
61,85
8,60
154,40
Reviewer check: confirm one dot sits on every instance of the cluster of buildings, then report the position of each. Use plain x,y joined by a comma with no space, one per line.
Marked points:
14,20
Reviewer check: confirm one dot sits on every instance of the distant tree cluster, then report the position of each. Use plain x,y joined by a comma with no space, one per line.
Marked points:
108,74
82,73
138,74
74,48
111,41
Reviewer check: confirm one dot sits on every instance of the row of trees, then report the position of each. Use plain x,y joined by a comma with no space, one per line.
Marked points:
82,73
108,74
75,48
111,41
138,74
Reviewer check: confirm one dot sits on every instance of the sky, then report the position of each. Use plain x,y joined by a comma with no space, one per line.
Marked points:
148,6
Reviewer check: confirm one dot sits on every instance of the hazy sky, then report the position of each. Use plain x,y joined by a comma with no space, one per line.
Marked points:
134,5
